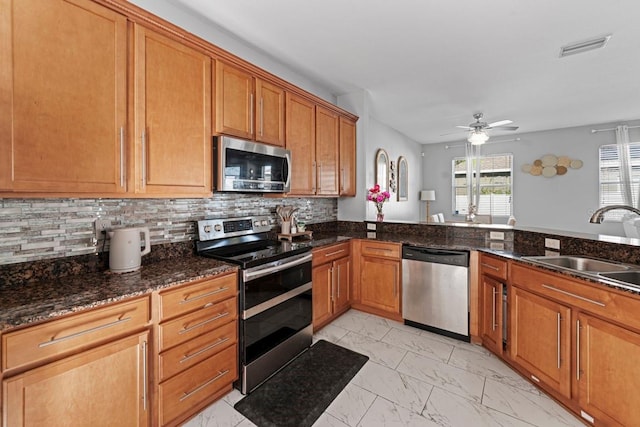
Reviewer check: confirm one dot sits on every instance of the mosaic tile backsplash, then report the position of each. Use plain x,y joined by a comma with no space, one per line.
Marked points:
37,229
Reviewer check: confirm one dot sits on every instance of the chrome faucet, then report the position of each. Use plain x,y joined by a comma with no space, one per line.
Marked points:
598,215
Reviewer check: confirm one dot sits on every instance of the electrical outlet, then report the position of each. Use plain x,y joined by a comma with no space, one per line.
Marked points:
552,244
496,235
100,225
371,226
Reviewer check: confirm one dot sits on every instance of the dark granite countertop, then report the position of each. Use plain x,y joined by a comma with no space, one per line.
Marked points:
442,242
37,301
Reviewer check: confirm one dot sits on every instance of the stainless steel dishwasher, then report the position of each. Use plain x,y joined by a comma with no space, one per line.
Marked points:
435,290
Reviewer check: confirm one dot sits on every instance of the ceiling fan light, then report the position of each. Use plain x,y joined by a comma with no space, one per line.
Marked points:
477,137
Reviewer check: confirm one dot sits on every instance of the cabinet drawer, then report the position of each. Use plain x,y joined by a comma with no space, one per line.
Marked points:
381,249
593,298
197,295
493,266
64,335
331,253
192,352
191,325
198,383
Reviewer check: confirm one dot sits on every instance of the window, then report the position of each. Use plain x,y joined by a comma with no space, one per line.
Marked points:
495,185
611,179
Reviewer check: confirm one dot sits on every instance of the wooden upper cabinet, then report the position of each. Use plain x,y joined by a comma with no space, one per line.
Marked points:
172,135
347,177
248,107
301,140
63,97
327,149
270,104
234,101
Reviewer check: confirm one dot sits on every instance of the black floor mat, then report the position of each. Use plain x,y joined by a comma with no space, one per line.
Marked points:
298,394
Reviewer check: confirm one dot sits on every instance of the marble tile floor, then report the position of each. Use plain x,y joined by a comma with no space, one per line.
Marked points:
416,378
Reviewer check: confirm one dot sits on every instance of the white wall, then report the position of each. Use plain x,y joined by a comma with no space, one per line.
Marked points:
372,135
560,203
184,18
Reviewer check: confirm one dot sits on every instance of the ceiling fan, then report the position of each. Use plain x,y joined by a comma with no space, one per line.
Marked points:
477,130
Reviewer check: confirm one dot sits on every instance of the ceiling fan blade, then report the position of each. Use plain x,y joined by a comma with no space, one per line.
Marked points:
465,127
500,123
505,128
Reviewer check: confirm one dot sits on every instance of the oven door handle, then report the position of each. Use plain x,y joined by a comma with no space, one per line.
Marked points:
252,274
246,314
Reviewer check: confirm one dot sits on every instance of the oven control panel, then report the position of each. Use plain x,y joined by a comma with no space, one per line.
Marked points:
211,229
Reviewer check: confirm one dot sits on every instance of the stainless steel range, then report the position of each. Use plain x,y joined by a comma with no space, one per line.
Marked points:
275,293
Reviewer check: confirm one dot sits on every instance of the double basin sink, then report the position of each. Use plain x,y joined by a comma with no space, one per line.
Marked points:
627,275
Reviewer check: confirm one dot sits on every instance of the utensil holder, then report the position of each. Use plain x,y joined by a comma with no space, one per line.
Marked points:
286,227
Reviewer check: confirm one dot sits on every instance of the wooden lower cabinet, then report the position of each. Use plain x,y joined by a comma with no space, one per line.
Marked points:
105,386
491,319
579,341
197,336
541,339
607,372
331,283
378,283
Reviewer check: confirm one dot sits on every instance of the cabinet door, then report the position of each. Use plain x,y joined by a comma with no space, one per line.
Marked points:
347,157
342,268
607,370
173,116
322,294
327,152
76,388
269,113
380,284
301,140
540,339
234,101
62,96
491,315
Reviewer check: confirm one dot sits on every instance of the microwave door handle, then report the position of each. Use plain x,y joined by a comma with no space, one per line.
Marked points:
287,183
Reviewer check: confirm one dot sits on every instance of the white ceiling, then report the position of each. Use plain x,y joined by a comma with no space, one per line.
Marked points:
430,64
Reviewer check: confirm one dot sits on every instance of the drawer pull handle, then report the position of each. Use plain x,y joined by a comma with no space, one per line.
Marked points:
217,291
553,288
334,252
207,348
188,394
490,266
197,325
86,331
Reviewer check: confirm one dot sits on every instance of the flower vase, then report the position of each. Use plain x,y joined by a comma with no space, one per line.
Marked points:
380,215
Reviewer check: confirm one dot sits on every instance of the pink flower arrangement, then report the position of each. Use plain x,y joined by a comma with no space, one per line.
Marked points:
378,197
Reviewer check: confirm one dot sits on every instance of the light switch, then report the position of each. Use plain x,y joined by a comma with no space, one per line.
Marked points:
371,226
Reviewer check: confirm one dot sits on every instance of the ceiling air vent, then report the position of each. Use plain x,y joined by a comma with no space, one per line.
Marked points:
584,46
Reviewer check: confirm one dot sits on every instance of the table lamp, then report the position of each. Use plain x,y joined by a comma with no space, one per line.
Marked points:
428,196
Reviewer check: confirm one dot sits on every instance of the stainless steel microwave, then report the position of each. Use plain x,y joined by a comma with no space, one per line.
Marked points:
247,166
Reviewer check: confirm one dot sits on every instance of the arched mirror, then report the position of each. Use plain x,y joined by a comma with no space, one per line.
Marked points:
403,179
382,169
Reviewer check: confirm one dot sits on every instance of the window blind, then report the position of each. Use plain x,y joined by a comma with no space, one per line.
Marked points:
495,185
611,182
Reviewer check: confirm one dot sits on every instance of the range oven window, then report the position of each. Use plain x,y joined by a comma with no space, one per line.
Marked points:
262,289
266,330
